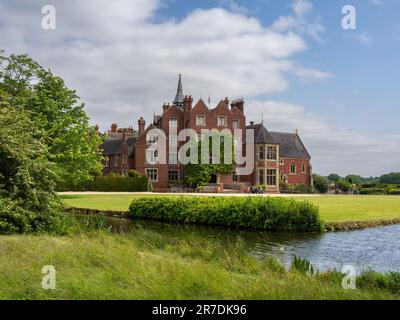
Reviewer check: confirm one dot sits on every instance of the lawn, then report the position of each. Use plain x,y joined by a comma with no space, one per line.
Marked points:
332,208
146,265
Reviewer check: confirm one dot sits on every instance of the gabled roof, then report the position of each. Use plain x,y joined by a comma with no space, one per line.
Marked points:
262,135
290,145
115,146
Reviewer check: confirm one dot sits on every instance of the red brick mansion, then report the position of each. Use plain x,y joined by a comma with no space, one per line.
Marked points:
278,157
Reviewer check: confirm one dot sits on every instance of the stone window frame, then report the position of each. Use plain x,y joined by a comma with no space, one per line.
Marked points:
267,153
236,121
259,148
269,176
259,182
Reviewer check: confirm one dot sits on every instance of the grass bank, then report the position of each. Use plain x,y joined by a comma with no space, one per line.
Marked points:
144,265
332,208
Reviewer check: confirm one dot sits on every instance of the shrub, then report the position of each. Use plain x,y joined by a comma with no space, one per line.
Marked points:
118,184
321,184
343,185
133,173
272,214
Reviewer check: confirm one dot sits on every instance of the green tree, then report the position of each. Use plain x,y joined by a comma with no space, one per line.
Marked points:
27,179
334,177
320,183
56,112
200,174
390,178
343,185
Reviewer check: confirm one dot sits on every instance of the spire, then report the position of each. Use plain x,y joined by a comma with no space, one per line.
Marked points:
178,101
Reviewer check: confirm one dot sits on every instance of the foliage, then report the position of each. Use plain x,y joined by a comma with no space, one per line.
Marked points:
334,177
320,183
61,121
391,178
27,178
200,174
343,185
272,214
302,265
133,173
389,281
113,183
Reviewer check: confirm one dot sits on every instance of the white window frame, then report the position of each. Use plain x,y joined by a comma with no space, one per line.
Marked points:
270,176
201,124
237,122
148,174
293,165
177,171
219,123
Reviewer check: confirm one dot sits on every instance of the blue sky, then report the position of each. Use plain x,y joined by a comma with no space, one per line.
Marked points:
291,60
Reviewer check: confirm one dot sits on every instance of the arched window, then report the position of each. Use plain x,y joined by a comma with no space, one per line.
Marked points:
292,168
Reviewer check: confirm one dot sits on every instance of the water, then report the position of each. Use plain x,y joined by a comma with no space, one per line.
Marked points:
376,248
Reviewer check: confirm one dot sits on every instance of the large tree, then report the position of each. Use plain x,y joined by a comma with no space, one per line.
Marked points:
58,115
27,177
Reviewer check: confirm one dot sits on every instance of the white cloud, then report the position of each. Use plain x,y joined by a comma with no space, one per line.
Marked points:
302,7
378,2
299,21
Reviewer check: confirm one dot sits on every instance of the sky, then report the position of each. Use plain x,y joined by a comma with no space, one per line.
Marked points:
292,61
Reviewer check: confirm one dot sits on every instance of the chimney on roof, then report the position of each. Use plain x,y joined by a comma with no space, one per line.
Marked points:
130,131
141,124
187,103
96,129
165,106
239,103
252,123
226,100
114,128
123,134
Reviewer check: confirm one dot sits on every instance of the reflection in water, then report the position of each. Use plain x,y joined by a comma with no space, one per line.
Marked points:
376,248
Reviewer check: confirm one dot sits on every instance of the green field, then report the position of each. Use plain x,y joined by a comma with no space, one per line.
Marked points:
332,208
146,265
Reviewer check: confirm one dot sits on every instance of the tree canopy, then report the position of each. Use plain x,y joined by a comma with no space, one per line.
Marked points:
58,116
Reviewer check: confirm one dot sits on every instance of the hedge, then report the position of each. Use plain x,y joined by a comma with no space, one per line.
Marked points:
271,214
119,184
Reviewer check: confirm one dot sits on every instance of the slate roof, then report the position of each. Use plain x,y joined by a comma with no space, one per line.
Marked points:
290,145
114,146
262,135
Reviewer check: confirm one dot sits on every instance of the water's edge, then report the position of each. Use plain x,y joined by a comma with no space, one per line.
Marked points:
329,226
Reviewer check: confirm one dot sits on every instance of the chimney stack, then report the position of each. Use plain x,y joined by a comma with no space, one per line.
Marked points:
165,106
187,103
239,103
96,129
123,134
252,123
114,128
141,124
226,100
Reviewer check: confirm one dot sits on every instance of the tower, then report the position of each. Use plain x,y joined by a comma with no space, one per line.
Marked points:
178,101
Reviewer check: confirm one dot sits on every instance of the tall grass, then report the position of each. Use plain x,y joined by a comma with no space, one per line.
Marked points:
96,264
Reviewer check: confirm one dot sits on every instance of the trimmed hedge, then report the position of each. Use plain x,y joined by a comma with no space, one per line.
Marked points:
271,214
118,184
